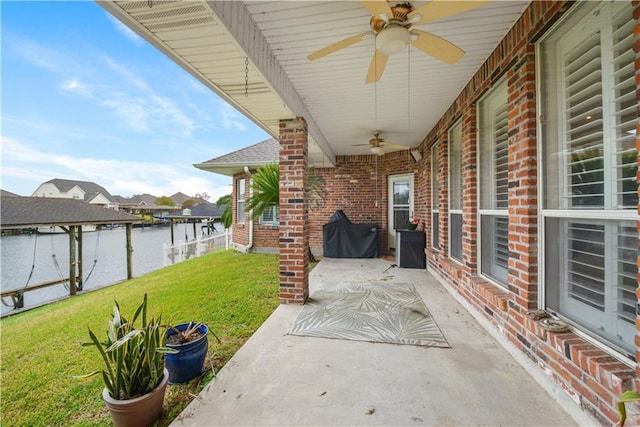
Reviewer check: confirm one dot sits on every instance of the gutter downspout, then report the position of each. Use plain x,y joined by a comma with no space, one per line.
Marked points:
247,248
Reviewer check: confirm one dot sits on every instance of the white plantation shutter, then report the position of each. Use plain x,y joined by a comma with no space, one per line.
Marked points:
435,199
455,192
585,264
625,113
590,188
583,123
626,272
501,156
494,184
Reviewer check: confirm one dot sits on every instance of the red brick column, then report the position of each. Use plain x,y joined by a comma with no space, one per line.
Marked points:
523,187
294,224
469,194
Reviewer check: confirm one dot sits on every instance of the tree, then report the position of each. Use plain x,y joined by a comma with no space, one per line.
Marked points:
188,203
165,201
227,215
203,196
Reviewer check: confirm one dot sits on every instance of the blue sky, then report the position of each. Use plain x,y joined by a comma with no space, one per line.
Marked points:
85,98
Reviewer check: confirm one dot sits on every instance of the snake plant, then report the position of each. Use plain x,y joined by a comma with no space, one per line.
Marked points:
133,356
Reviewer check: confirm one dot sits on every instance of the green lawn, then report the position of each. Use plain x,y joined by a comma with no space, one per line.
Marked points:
41,349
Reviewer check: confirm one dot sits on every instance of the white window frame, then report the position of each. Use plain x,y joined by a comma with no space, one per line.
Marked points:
435,196
485,130
455,133
274,216
240,200
610,216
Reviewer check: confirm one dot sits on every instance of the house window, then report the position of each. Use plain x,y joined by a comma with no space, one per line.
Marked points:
494,197
270,216
589,172
455,192
240,201
435,199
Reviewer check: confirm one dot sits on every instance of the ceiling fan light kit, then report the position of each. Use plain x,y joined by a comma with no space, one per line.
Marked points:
393,39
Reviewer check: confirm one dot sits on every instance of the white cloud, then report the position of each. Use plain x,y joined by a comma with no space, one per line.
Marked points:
76,86
125,31
231,119
39,55
123,177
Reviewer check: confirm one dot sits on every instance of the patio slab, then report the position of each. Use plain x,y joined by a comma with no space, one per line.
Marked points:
280,379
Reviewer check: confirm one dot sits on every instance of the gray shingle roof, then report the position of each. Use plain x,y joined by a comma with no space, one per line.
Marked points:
24,212
254,156
205,210
5,193
90,188
265,151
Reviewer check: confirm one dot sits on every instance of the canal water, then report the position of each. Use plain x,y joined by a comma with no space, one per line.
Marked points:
106,247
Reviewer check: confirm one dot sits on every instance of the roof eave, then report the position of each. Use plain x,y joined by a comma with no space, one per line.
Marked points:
229,169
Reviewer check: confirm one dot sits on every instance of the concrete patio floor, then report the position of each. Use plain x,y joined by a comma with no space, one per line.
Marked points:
279,379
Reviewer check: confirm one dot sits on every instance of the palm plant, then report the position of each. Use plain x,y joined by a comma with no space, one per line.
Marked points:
227,213
133,357
626,397
265,188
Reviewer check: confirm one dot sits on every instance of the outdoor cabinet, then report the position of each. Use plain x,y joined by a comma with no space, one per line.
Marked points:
410,245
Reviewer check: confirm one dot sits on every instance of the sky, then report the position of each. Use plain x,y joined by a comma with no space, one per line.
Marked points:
85,98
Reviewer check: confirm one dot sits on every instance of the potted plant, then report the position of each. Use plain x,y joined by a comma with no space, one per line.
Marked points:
134,376
412,224
190,340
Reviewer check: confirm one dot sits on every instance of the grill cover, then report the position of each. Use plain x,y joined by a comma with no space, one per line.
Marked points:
342,239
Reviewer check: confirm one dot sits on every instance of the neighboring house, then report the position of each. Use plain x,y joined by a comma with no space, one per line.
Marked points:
89,192
260,235
5,193
180,198
524,180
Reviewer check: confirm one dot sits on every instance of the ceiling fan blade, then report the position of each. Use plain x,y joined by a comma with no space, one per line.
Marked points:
438,9
337,46
376,68
379,7
396,146
437,47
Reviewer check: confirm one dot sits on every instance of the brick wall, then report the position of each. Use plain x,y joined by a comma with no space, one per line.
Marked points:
591,377
357,185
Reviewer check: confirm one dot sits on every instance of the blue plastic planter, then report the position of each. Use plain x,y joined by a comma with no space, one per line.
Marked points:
188,363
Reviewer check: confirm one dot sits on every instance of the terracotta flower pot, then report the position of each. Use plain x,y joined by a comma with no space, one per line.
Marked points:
140,411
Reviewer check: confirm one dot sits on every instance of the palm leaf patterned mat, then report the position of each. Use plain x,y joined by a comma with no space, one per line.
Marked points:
368,311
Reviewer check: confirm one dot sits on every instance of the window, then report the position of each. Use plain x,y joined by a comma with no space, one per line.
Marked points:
455,192
240,201
590,163
270,216
494,186
435,199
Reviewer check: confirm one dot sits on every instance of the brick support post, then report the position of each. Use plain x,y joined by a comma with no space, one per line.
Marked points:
469,194
294,224
523,186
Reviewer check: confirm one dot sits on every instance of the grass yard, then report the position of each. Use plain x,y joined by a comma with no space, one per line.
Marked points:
41,349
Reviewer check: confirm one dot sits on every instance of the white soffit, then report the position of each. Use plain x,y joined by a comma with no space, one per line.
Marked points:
211,40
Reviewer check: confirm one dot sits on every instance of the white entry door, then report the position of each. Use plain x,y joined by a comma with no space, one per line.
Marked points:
400,204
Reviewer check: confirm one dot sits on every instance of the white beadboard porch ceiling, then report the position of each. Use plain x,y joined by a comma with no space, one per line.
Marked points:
211,39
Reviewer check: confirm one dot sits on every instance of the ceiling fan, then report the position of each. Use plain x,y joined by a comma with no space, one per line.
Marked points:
393,28
378,145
